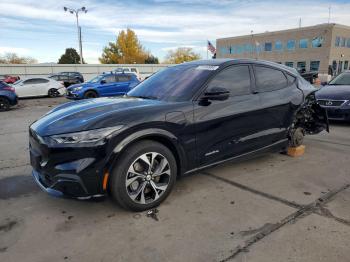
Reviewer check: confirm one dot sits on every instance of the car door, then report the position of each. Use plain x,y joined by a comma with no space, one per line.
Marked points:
123,83
107,85
40,86
226,128
25,88
279,99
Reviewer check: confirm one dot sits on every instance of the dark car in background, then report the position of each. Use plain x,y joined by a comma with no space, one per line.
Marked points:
183,119
8,96
335,97
107,84
68,78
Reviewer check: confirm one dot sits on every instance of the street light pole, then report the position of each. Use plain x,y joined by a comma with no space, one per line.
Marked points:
76,12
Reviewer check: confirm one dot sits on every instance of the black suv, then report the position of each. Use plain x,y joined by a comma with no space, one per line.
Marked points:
180,120
68,78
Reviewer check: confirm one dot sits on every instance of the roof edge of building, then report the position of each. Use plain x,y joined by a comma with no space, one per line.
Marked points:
325,25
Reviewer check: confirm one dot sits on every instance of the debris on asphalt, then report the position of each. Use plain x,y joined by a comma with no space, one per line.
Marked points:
232,202
153,214
70,217
307,193
8,226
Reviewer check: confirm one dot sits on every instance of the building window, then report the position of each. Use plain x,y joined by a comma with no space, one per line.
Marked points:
317,41
301,67
348,43
342,41
290,64
291,44
278,45
314,65
346,65
303,43
268,47
337,41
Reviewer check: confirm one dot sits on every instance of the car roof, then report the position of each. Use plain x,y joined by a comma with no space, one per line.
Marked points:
228,61
36,77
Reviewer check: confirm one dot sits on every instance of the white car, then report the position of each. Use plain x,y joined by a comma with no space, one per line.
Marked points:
133,70
39,86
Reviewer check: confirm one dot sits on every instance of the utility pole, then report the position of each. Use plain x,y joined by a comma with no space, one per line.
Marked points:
76,13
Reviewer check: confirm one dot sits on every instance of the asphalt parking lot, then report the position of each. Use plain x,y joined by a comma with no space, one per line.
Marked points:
271,208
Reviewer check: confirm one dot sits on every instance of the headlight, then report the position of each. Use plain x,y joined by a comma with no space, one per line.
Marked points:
90,136
77,88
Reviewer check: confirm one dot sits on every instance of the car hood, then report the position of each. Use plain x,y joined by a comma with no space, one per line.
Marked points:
334,92
94,113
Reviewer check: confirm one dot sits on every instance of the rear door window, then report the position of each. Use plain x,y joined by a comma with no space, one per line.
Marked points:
36,81
268,79
124,78
236,79
110,79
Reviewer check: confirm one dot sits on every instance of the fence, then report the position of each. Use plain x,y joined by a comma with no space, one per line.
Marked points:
87,70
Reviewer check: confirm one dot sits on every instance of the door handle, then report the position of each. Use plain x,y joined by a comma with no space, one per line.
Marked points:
255,92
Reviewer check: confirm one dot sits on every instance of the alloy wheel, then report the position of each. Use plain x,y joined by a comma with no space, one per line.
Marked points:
147,178
4,104
53,93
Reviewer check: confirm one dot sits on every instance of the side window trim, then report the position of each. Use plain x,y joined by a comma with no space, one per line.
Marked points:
270,67
227,67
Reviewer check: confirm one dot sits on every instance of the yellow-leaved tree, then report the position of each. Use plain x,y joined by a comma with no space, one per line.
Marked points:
180,55
126,50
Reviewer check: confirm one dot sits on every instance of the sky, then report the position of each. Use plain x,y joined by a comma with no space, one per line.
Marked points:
42,30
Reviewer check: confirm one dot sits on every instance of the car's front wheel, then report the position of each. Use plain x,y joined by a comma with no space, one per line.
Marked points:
53,92
144,176
90,94
4,104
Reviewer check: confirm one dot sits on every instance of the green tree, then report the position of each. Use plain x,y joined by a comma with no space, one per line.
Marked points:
70,56
13,58
126,50
151,60
180,55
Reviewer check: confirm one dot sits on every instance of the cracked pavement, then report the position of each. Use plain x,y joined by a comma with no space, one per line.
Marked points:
270,208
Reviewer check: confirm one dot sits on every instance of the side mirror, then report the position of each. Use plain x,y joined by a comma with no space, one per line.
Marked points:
217,93
103,82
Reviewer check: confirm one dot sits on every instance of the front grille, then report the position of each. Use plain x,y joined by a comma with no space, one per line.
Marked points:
324,102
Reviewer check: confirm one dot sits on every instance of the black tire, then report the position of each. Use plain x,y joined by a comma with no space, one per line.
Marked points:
4,104
90,94
53,92
117,184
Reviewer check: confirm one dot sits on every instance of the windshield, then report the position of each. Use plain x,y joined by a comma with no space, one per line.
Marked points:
177,83
96,79
342,79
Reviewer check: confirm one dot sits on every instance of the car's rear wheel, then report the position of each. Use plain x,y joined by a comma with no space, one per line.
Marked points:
90,94
53,92
144,176
4,104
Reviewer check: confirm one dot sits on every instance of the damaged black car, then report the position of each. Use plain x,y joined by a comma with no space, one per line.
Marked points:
180,120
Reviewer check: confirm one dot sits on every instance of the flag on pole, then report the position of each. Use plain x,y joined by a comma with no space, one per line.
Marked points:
211,48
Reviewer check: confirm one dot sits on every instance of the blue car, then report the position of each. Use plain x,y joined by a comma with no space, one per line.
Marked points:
8,96
111,84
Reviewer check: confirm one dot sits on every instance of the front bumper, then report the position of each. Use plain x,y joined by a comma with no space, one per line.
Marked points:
338,114
72,95
67,171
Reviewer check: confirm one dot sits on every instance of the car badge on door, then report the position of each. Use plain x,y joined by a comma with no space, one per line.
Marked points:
329,103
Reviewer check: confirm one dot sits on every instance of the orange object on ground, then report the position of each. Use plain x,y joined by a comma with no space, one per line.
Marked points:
296,151
105,180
